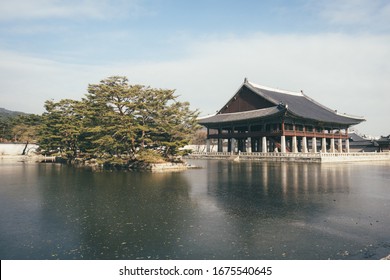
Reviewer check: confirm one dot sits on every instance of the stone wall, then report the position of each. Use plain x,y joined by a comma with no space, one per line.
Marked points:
10,149
296,157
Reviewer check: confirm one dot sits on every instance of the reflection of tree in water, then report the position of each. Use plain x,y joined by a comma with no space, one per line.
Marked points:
116,214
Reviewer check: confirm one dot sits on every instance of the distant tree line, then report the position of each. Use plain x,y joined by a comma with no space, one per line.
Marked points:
115,122
18,127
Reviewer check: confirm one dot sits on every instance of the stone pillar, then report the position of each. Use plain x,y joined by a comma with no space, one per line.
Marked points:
220,147
314,145
347,145
282,144
294,145
249,145
304,144
208,145
323,146
233,145
340,145
264,144
332,149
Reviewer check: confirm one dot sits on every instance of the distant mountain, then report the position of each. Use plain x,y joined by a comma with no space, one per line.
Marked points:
5,114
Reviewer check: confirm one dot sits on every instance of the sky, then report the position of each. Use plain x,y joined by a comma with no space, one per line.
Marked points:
336,51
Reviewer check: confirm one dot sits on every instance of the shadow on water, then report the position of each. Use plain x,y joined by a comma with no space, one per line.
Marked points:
227,210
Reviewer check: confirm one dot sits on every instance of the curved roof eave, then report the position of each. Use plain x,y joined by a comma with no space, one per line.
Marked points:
242,116
340,122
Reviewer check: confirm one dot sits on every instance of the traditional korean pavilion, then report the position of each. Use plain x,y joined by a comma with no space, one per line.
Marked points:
263,119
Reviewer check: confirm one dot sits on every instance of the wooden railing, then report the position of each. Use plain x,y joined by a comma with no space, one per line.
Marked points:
308,134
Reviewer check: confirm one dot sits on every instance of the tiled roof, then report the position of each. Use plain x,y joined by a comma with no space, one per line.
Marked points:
240,116
301,105
355,137
384,139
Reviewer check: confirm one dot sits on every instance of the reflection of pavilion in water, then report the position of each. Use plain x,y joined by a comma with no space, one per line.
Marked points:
282,178
274,210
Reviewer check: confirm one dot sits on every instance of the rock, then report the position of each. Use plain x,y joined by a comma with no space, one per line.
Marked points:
386,258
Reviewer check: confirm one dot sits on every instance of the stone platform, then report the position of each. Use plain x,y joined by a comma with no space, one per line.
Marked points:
295,157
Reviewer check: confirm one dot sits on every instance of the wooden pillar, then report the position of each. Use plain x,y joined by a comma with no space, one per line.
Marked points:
249,145
208,145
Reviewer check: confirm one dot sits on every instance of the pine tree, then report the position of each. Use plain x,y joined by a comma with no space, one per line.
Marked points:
61,128
118,122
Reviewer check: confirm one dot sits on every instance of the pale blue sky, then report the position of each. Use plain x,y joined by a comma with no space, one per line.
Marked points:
337,51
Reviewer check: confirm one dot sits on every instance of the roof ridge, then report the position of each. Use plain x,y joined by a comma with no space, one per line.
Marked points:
274,89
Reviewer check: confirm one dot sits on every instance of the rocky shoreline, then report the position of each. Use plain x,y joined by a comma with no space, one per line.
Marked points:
161,167
134,166
96,166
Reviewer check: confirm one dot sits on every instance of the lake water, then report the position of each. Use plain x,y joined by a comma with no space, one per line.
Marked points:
225,210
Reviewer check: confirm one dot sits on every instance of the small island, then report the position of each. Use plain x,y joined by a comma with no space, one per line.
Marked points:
116,125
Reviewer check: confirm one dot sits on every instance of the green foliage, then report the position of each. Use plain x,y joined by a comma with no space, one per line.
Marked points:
8,122
150,156
18,127
61,127
120,122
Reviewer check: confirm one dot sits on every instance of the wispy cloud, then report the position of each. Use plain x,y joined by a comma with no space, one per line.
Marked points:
366,15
